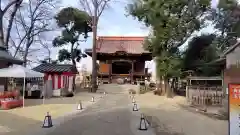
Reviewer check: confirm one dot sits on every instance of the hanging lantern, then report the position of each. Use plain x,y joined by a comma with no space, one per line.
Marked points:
93,100
47,123
143,123
79,107
135,107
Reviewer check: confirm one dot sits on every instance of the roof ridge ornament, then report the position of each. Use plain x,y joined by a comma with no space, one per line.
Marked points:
121,48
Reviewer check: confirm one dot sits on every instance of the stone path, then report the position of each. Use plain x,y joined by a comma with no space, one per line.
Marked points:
112,115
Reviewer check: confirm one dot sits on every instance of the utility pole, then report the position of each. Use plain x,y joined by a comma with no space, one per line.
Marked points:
94,55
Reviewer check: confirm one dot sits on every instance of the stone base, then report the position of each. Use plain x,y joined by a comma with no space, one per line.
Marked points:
57,93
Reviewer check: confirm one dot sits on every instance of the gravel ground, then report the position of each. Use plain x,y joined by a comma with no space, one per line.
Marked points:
169,118
113,115
18,120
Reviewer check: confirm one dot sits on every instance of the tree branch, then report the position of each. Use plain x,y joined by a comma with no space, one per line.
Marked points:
9,5
16,7
21,41
86,6
101,7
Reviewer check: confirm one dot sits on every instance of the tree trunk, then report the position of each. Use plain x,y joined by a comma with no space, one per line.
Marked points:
94,53
159,85
173,86
10,22
1,32
74,85
168,88
25,57
28,44
164,87
74,64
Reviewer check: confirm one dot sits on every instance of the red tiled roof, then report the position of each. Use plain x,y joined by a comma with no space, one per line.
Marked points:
59,68
113,44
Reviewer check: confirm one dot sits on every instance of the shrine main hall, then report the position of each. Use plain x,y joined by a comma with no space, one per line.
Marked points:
121,57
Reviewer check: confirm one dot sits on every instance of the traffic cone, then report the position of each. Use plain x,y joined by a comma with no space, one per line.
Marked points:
135,108
93,100
47,123
79,107
133,100
143,123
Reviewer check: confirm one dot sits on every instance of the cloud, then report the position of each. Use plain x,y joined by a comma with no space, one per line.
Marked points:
113,22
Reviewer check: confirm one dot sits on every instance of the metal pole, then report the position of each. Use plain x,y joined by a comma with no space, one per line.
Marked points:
24,89
94,55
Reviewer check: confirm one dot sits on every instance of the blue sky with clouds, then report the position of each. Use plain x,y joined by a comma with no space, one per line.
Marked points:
114,22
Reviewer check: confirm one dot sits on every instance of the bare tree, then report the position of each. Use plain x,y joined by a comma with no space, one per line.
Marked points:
10,6
33,19
46,46
94,8
89,7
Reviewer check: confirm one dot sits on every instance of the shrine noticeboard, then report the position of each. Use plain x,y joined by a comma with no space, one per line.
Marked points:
234,109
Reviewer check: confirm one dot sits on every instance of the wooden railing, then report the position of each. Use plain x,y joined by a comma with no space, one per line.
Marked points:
203,95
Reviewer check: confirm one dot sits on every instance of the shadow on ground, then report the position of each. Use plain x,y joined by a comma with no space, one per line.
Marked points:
160,128
208,114
181,122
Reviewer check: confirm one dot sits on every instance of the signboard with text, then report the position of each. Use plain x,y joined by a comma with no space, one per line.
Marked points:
234,109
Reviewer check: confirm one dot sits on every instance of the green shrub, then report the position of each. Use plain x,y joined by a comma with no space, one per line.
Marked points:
132,91
157,92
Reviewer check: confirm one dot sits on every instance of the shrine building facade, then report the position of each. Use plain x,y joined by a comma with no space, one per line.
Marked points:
121,57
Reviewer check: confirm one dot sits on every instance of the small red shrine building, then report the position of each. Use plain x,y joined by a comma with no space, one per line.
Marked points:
62,75
121,57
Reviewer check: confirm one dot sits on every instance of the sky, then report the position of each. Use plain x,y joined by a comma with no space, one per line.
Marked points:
114,22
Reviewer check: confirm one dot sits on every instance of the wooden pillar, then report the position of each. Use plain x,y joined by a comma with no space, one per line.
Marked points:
110,72
132,71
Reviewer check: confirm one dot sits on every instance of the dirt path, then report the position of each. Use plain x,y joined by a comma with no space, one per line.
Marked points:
112,115
18,120
170,119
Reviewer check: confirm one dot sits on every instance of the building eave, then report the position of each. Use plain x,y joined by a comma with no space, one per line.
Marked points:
6,57
232,48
